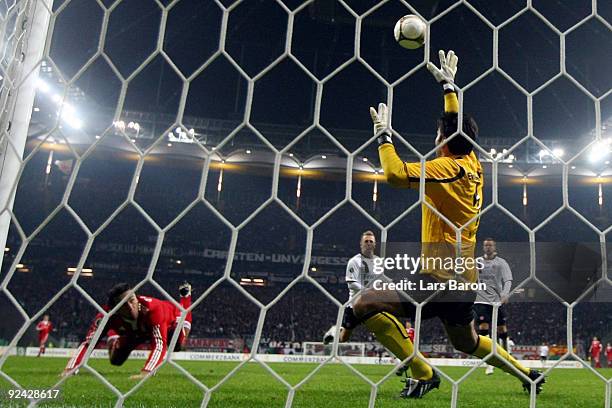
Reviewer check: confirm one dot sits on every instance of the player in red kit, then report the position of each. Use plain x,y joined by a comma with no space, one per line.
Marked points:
609,354
44,327
140,319
595,351
410,331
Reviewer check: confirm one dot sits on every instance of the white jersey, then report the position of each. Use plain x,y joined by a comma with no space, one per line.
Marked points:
495,273
509,345
543,351
360,269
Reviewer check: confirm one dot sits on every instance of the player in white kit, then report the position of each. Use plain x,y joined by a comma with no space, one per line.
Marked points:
497,276
543,351
359,274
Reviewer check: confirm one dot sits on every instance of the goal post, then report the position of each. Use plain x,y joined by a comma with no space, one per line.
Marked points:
25,45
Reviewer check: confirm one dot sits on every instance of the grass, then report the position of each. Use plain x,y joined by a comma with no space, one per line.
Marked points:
334,385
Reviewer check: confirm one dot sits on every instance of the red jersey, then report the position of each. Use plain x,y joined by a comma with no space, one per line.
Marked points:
76,360
44,328
411,334
153,325
609,353
595,348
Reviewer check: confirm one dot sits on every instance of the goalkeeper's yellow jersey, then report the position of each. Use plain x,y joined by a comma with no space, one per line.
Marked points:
453,186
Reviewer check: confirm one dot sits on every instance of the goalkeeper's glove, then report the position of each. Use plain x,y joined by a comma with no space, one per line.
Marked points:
185,289
445,75
381,123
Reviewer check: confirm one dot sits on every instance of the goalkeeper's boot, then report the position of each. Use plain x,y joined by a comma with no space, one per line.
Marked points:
536,376
328,337
418,388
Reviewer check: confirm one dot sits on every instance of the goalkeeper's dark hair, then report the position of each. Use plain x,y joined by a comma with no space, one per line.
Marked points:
447,123
114,294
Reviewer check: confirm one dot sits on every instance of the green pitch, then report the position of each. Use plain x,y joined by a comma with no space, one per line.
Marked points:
333,385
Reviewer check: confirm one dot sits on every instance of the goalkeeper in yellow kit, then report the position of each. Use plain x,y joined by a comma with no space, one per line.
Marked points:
453,186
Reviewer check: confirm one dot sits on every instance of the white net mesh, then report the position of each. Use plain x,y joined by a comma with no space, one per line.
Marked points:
16,26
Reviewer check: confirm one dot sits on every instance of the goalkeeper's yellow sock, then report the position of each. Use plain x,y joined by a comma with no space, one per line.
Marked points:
485,346
392,334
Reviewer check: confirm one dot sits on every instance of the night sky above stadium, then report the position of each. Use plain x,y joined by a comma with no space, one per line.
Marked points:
323,40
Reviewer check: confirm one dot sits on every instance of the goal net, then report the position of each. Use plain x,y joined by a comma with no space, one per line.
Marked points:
229,144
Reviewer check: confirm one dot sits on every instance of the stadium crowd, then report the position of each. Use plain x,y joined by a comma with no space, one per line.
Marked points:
304,313
123,252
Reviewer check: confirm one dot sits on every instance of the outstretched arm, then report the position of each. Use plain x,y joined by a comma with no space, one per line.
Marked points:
76,361
451,103
407,175
445,75
393,167
159,339
185,301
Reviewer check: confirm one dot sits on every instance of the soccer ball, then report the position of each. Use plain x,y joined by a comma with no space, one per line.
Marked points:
410,32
